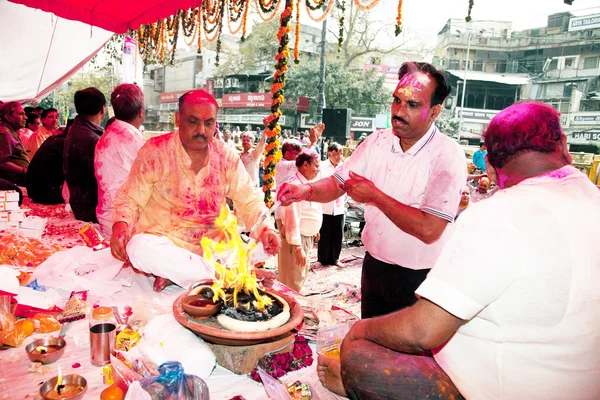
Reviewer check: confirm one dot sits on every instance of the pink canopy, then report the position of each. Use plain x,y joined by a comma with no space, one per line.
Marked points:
113,15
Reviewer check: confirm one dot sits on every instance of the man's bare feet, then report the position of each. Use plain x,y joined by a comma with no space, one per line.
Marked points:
329,370
160,283
340,264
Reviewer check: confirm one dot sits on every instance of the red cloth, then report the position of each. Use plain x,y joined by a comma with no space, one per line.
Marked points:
113,15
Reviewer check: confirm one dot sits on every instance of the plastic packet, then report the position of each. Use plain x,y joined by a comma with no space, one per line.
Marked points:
12,337
126,339
136,392
7,320
122,375
143,311
329,339
173,384
93,238
75,308
45,323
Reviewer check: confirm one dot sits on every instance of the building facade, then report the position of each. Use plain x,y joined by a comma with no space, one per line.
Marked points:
558,64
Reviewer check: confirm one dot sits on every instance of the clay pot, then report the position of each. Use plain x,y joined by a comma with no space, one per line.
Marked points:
200,305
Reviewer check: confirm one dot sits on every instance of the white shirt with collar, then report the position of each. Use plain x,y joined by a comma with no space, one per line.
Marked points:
429,176
303,218
285,170
114,155
335,207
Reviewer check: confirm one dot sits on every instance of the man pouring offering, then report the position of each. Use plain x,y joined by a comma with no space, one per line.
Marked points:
174,194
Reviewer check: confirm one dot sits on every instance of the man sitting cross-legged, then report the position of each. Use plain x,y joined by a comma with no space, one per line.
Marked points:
174,193
521,324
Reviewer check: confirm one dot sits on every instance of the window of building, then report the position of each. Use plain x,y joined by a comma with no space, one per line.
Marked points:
454,64
590,62
569,62
478,65
553,64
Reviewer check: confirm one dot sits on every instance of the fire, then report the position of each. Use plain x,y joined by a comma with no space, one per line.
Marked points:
41,349
59,380
240,275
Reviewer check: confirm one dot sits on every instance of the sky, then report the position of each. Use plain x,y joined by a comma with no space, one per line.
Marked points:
425,18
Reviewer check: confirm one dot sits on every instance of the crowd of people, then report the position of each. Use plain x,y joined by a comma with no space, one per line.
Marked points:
441,317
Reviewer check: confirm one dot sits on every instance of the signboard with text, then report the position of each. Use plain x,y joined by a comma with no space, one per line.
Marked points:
479,115
390,73
587,22
172,97
247,100
586,119
586,136
362,124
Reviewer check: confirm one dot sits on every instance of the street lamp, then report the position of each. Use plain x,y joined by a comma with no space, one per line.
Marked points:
462,101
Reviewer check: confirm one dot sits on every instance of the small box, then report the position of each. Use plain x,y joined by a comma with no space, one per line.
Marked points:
31,233
12,216
33,222
9,205
9,226
9,195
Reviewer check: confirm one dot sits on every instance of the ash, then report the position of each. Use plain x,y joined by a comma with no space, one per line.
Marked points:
251,314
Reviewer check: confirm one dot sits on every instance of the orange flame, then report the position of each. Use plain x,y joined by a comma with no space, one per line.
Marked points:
59,380
239,275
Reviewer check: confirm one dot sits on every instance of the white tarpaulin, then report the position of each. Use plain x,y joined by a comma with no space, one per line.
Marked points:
39,51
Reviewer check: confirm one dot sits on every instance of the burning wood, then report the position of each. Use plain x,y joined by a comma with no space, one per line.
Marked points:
239,278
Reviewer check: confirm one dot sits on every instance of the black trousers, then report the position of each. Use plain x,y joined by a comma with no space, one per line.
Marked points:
386,288
330,243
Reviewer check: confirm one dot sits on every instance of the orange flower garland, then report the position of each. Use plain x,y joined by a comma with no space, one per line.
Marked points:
273,130
325,13
297,34
365,7
269,16
399,19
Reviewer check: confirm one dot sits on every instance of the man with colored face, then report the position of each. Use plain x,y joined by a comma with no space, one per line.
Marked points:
410,179
174,193
49,127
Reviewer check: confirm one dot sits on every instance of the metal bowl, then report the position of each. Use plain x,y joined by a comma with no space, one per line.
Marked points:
66,379
58,343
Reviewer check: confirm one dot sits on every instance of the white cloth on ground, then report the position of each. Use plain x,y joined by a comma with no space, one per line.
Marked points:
81,268
533,306
159,256
165,339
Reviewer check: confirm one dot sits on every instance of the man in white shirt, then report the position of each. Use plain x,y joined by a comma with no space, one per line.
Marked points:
49,127
332,229
301,222
521,324
117,149
410,179
251,156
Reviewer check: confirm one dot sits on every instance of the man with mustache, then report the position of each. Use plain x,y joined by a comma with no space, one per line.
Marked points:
175,191
410,179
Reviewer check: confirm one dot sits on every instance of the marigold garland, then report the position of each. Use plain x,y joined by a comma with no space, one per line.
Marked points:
399,19
468,17
244,19
273,130
365,7
325,13
297,34
341,31
267,15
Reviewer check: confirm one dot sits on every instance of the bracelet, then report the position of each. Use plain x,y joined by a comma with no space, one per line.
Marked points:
311,192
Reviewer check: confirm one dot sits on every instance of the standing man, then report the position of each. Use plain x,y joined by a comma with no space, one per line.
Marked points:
13,158
410,179
80,145
332,229
251,156
49,127
301,223
174,193
117,149
479,157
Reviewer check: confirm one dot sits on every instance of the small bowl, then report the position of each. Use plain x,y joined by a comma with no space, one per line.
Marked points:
46,358
200,311
71,379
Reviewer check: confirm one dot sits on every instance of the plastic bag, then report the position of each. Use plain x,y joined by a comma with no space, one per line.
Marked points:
7,321
136,392
45,323
173,384
123,376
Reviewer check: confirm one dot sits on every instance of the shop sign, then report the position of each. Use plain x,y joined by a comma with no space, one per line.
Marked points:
303,103
254,119
247,100
172,97
586,119
587,22
306,121
363,124
586,136
479,115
